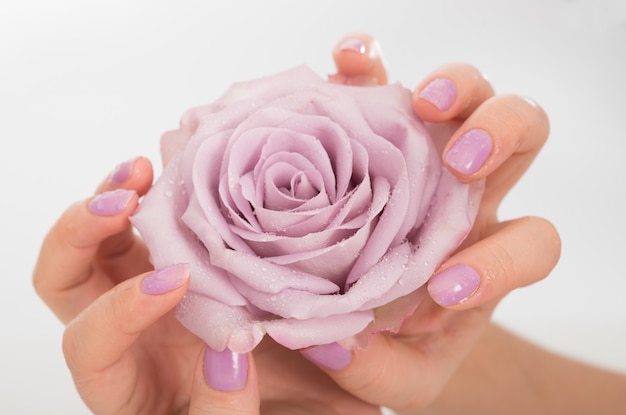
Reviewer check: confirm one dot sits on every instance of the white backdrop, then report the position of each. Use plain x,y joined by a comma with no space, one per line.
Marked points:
87,84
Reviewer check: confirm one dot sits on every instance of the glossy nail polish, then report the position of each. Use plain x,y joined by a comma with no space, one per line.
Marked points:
121,172
353,44
470,151
226,370
453,285
440,92
165,279
110,203
331,356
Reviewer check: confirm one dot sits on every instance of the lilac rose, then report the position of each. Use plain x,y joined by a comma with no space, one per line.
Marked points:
308,211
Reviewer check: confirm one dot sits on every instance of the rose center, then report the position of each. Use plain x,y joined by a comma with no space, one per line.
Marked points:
300,187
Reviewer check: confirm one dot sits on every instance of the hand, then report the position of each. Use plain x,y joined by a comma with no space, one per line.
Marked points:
126,351
82,269
487,136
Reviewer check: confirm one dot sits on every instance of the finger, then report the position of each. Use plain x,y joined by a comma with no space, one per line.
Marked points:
491,268
225,383
500,140
359,61
98,343
65,276
135,173
453,91
123,254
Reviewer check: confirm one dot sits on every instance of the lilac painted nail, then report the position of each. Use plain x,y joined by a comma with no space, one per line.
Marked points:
165,279
470,151
453,285
440,92
121,172
110,203
331,356
353,44
225,371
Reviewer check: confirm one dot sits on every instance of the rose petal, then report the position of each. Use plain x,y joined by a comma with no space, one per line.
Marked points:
298,334
259,273
204,209
301,304
219,325
164,205
234,328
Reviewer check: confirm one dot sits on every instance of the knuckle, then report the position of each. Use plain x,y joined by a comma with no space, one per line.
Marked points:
225,404
547,233
70,347
502,266
532,121
519,121
515,266
122,306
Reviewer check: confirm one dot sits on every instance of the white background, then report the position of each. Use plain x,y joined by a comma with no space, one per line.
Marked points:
87,84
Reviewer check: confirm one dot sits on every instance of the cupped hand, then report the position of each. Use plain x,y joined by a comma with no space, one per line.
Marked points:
482,135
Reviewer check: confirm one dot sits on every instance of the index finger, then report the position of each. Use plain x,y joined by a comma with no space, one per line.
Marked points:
92,241
65,275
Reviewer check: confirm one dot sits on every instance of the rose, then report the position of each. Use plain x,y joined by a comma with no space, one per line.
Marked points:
309,211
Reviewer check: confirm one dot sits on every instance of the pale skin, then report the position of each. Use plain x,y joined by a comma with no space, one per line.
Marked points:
91,268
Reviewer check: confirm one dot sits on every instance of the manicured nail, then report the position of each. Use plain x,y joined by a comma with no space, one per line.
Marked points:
453,285
225,371
331,356
353,44
440,92
122,171
110,203
470,151
165,279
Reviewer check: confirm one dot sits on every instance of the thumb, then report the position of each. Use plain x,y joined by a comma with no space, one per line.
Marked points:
225,383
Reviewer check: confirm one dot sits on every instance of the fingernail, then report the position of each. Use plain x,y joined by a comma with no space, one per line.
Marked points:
440,92
331,356
122,171
353,44
165,279
453,285
470,151
225,371
110,203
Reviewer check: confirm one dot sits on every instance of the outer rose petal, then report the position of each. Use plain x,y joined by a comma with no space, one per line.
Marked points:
235,328
219,325
158,218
